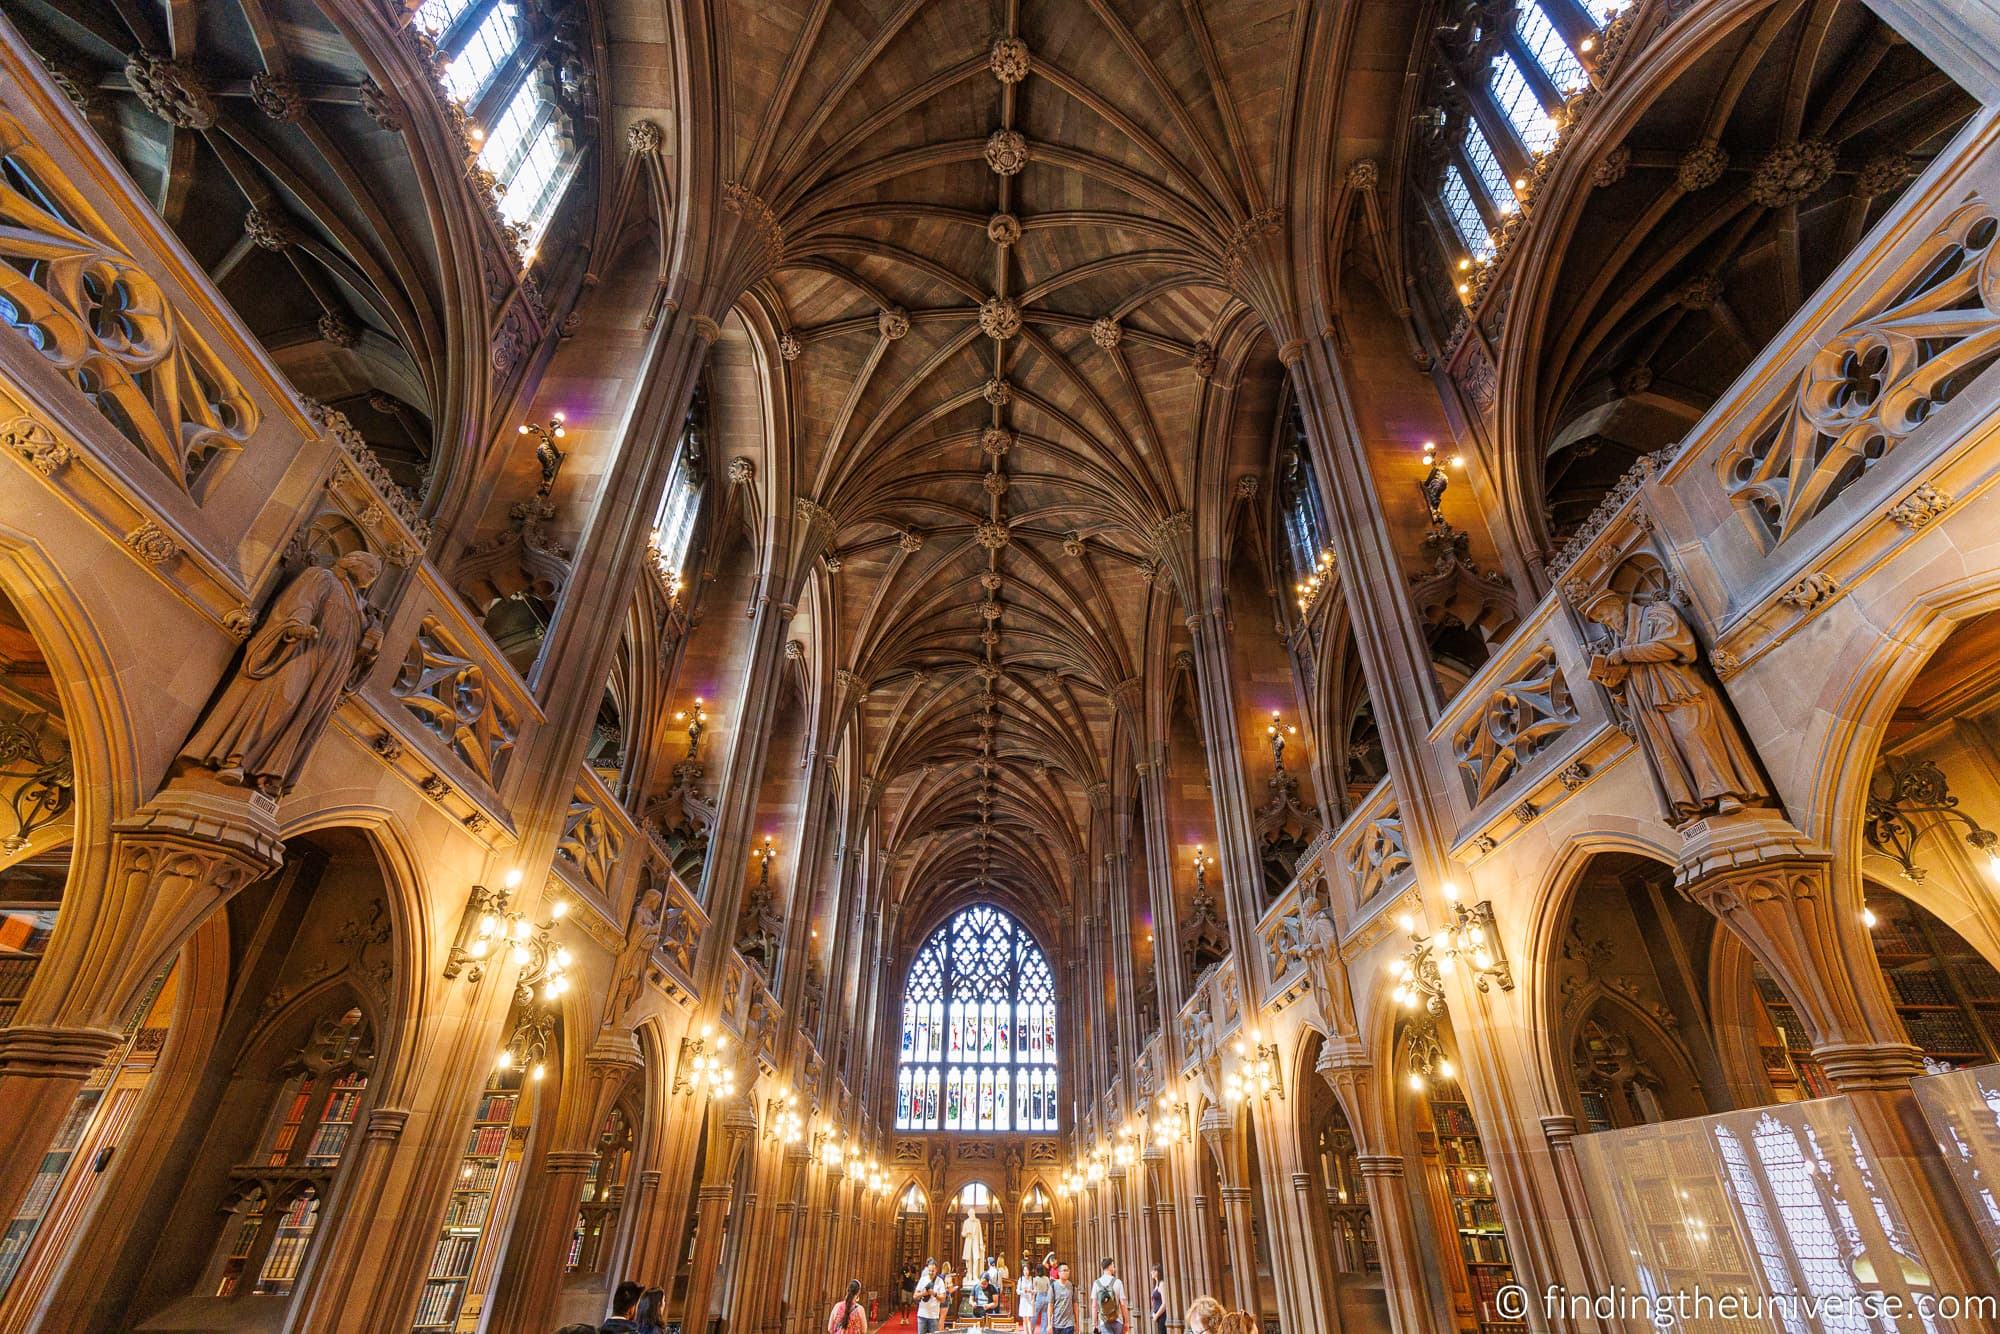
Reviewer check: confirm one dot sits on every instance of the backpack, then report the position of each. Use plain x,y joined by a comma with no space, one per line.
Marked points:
1107,1302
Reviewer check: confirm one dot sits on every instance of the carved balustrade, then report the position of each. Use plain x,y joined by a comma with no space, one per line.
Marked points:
443,706
1368,854
591,850
158,419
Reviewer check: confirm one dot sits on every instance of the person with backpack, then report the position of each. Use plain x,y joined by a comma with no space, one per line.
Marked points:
1107,1300
847,1317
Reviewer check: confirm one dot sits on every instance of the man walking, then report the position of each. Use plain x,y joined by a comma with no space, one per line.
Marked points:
1107,1300
1062,1303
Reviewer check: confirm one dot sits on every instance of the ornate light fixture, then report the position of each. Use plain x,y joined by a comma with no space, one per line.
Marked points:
1920,789
697,721
1471,941
786,1125
549,455
489,929
1316,582
1256,1072
702,1067
1436,480
1277,732
528,1049
1427,1058
1169,1120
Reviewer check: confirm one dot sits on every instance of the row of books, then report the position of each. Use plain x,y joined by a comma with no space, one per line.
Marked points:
437,1308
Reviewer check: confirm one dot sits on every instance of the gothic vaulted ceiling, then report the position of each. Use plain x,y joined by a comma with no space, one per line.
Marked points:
1002,296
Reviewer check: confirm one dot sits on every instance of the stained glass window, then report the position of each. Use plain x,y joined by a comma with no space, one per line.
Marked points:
978,1046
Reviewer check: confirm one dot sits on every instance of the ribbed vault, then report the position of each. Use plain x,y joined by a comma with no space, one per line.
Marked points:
1006,261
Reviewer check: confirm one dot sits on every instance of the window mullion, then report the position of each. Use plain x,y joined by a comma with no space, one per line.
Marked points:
1539,82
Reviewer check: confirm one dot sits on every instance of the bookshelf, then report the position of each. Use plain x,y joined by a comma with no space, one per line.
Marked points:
1475,1213
483,1171
288,1244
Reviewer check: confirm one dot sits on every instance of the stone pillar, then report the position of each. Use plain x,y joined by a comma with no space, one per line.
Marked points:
1173,1270
337,1283
1383,1180
796,1225
1800,917
177,860
531,1271
1353,1081
711,1208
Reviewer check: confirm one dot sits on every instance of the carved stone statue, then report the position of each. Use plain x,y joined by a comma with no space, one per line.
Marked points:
1013,1175
318,639
973,1244
937,1172
1702,763
628,982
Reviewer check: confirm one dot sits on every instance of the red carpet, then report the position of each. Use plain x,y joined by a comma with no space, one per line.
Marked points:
902,1324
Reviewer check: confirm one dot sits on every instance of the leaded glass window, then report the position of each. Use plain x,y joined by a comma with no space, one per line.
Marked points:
1523,109
1549,49
1464,212
978,1049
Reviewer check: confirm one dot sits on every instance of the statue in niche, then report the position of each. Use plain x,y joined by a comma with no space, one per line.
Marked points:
1651,662
642,935
317,641
1013,1177
973,1248
937,1171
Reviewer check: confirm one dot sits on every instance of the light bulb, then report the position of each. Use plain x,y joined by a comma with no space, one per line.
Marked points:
562,957
520,931
513,877
506,1061
1444,965
1416,1081
558,909
1446,1070
1868,918
478,949
539,1070
1407,923
519,954
1450,891
1483,960
489,925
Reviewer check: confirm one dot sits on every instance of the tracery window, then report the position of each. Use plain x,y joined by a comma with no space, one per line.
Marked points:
680,505
479,51
1486,166
978,1045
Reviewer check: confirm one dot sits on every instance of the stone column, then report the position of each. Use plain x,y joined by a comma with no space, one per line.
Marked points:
337,1269
711,1208
531,1271
1387,1188
1799,915
1353,1081
126,912
1173,1271
797,1227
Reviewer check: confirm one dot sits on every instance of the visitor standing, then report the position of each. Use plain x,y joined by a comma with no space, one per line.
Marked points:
847,1317
1062,1303
929,1304
1108,1307
624,1307
651,1314
1158,1297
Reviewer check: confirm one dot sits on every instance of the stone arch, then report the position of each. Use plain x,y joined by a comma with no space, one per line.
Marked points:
1553,907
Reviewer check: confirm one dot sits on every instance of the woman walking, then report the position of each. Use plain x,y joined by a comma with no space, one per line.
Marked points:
847,1317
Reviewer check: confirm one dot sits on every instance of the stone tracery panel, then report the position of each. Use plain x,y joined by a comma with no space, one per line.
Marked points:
1876,381
448,692
1517,721
81,301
